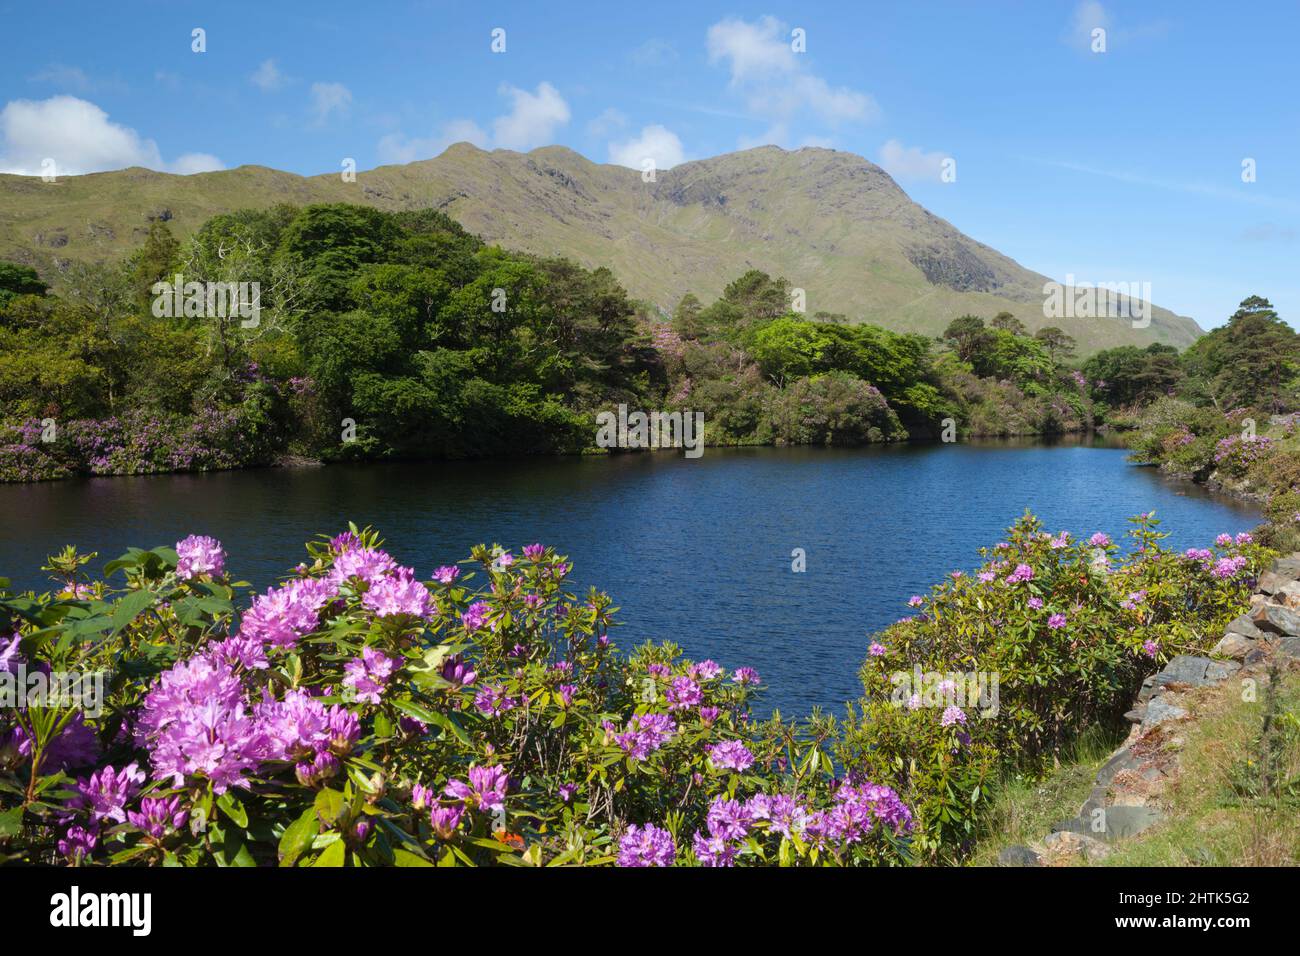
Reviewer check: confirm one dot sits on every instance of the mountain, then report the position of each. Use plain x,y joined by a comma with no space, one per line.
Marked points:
830,222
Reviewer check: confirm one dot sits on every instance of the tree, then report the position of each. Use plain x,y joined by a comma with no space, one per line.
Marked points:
1009,323
968,336
1250,361
16,280
1059,345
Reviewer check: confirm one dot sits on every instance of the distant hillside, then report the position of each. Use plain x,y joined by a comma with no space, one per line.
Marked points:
832,223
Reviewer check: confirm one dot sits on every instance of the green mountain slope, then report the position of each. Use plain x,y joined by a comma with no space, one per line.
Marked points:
832,223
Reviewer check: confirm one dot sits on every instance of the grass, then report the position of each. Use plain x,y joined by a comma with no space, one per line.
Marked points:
1217,815
1218,810
1023,810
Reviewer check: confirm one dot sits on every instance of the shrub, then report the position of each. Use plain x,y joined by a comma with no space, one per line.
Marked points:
354,715
1062,632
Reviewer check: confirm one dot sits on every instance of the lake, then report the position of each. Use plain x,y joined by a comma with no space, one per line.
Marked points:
694,551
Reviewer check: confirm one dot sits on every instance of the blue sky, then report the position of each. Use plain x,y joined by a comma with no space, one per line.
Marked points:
1122,165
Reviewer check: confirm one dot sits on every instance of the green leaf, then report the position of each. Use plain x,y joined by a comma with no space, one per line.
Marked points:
407,858
334,855
329,806
232,808
298,836
11,822
130,607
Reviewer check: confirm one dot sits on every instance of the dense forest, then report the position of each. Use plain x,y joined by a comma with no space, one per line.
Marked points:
400,335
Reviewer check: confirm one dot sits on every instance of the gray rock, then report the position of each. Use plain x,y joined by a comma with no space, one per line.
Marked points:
1160,711
1019,856
1256,656
1096,800
1135,715
1221,670
1123,760
1072,825
1270,582
1288,567
1233,645
1184,669
1122,822
1288,594
1276,619
1148,689
1068,841
1245,627
1289,647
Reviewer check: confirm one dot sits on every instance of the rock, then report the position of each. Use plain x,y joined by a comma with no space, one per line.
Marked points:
1019,856
1289,647
1288,594
1245,627
1148,689
1123,760
1256,655
1126,821
1069,843
1159,711
1270,582
1072,825
1275,619
1235,646
1135,715
1184,669
1221,670
1288,567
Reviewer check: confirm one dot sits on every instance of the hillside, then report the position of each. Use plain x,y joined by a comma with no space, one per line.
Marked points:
832,223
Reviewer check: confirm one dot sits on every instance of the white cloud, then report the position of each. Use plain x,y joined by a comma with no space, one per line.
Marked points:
191,163
329,98
533,119
397,148
268,78
910,162
655,143
80,138
776,83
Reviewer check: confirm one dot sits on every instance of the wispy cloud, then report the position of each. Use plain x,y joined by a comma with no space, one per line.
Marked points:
776,82
910,162
1246,193
328,99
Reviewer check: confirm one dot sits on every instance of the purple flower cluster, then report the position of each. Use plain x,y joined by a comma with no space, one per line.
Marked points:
198,555
485,790
646,846
399,594
731,755
282,615
645,734
1023,572
369,674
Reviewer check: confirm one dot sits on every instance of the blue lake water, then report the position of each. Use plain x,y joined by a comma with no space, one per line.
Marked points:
693,551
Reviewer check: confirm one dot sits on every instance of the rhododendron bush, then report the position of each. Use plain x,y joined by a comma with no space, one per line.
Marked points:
357,714
1068,627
